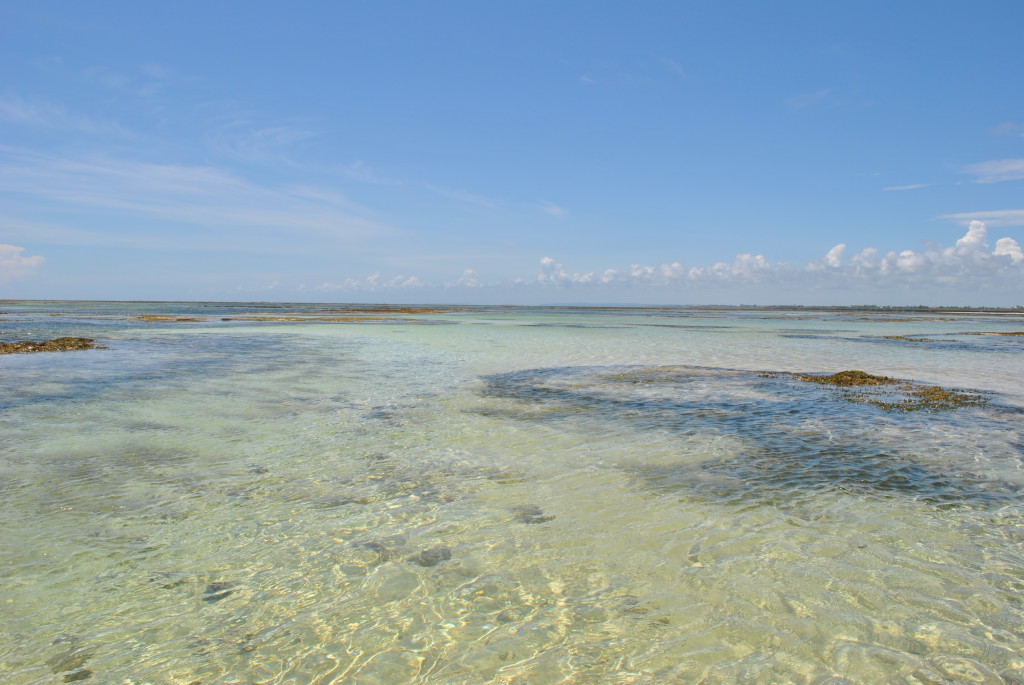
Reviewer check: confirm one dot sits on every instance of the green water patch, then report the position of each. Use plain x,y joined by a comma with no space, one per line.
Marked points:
796,435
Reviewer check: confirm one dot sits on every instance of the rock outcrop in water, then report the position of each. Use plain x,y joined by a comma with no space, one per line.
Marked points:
55,345
899,395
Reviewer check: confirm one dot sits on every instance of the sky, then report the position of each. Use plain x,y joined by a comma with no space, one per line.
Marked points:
513,152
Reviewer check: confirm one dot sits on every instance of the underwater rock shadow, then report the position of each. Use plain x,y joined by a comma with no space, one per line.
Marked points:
768,412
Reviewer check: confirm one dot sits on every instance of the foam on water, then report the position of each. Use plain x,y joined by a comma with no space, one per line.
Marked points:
518,496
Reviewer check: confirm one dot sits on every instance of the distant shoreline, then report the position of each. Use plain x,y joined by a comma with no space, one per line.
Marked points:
891,309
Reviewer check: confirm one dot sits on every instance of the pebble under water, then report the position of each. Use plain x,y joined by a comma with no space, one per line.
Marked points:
501,495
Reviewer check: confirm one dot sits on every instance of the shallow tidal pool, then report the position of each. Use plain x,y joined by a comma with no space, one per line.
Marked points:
499,495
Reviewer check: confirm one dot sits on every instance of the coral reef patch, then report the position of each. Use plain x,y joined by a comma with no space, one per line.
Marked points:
55,345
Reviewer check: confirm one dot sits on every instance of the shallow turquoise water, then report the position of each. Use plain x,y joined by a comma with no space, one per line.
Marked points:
508,496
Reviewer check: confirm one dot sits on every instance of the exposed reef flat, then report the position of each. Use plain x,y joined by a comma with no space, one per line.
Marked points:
898,395
55,345
308,319
1014,334
166,317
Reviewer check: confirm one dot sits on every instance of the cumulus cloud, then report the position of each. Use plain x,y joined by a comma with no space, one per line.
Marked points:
833,259
468,279
969,262
13,265
372,283
996,170
1008,247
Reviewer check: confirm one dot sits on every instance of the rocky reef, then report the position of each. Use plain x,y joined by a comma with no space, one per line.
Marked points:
899,395
55,345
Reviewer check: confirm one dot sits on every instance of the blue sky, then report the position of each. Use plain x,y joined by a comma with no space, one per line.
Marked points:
513,152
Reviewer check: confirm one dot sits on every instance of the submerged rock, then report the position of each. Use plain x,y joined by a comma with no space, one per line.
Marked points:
55,345
70,660
849,378
432,556
218,590
531,514
900,395
166,317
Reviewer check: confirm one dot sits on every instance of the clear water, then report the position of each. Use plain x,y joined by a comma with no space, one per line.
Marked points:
506,496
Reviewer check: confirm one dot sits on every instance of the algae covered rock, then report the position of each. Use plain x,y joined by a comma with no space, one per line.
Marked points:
846,379
55,345
895,395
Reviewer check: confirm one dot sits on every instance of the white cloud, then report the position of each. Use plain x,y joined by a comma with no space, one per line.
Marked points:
241,140
975,236
913,186
373,283
999,217
996,170
468,279
804,100
198,196
13,265
463,196
833,259
553,209
969,262
15,110
1008,247
674,66
1009,127
359,171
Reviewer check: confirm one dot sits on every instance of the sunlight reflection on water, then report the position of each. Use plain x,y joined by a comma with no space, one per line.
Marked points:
606,497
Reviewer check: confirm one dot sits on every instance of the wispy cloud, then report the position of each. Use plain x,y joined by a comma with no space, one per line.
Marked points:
996,170
1009,128
199,196
145,80
45,115
674,67
913,186
360,171
804,100
552,209
13,265
998,217
463,196
246,142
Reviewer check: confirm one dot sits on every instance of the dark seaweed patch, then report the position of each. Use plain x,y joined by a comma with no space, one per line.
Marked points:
770,412
70,660
218,590
898,395
432,557
531,514
55,345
